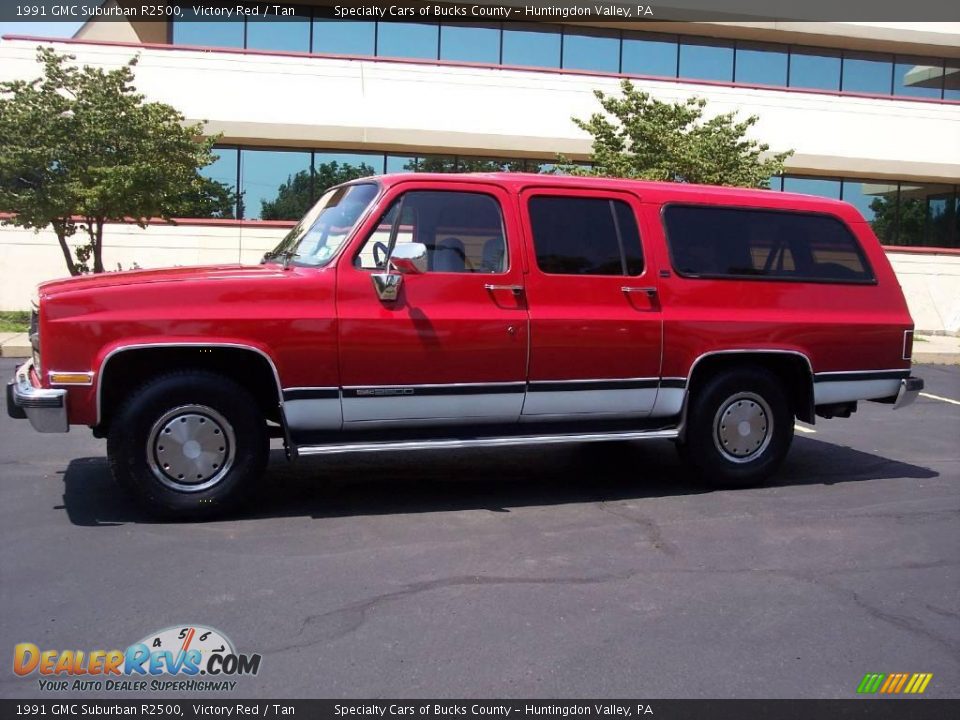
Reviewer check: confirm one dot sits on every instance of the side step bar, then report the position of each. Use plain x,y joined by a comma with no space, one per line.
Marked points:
484,442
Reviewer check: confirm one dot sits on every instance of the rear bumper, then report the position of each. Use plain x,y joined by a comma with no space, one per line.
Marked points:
45,409
909,389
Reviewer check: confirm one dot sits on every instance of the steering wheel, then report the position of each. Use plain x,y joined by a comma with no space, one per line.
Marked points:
380,254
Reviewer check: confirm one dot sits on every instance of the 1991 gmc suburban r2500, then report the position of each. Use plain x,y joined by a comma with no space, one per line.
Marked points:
447,311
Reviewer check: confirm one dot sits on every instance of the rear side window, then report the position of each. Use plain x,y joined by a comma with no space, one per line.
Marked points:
719,242
585,236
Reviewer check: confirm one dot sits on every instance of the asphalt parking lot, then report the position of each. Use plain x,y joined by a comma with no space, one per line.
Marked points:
581,571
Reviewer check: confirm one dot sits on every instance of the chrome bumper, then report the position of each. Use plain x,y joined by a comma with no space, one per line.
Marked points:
46,409
909,389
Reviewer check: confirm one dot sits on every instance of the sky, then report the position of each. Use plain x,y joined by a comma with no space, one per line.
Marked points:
40,29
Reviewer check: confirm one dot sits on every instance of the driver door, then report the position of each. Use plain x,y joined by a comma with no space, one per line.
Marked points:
452,347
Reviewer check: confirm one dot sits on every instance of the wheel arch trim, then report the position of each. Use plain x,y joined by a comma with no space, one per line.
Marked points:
165,345
742,351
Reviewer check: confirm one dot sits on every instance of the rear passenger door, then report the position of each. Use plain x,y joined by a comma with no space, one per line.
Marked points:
595,320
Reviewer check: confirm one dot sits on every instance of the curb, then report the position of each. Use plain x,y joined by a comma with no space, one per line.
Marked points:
936,358
15,345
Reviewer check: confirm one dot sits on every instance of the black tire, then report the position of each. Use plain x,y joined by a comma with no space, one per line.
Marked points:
223,440
723,450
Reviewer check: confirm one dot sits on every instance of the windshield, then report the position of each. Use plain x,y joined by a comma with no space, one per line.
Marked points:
325,227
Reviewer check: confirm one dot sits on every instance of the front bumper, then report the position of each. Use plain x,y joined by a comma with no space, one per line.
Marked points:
909,389
46,409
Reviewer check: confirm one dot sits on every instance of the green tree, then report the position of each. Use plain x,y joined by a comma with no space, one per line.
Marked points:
296,195
80,147
638,136
451,164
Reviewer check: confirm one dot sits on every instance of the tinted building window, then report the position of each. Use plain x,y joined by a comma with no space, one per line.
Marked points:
812,186
401,163
585,236
284,33
951,78
866,73
591,50
275,184
650,55
408,40
815,69
343,37
331,169
764,244
706,60
223,172
877,202
761,64
918,77
927,215
470,43
532,46
216,33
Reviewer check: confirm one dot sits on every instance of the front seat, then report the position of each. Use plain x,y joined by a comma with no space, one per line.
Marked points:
493,255
449,256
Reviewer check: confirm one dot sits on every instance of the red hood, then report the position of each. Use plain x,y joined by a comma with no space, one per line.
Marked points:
163,275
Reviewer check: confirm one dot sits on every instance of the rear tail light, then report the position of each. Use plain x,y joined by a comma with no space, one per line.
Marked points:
907,344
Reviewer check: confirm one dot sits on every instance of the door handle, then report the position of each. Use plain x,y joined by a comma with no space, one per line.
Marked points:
515,289
651,291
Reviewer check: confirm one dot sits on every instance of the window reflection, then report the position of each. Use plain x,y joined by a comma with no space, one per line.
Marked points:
207,33
928,215
650,55
867,73
706,60
218,197
331,169
592,50
918,77
812,186
470,43
275,184
284,33
877,202
344,37
531,45
761,64
401,163
815,69
408,40
951,79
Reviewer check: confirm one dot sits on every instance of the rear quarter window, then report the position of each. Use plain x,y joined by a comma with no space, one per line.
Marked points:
723,242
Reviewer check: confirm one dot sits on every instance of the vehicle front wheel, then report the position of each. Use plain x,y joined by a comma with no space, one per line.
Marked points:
739,428
187,444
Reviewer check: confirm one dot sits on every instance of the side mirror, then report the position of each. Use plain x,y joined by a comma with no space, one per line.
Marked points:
409,258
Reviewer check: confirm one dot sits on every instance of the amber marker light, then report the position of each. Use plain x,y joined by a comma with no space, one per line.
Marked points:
71,378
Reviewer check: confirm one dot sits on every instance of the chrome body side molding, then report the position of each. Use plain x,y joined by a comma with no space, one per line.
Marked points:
483,442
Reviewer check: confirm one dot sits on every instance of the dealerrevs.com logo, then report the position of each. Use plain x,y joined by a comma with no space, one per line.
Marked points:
181,658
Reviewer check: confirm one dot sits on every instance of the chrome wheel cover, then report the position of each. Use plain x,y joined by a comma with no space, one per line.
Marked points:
743,427
191,448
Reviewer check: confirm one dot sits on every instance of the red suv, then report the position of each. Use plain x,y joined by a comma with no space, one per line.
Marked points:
448,311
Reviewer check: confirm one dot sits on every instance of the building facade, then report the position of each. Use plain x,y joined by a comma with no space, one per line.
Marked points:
871,110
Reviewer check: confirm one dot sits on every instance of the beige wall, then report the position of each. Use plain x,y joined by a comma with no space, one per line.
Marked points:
372,104
930,282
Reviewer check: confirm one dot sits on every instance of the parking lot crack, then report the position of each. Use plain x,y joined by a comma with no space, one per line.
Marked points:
334,624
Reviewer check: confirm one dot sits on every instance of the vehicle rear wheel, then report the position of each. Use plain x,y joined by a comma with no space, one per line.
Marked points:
187,444
739,428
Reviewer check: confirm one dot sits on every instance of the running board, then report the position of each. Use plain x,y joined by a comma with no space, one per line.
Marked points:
483,442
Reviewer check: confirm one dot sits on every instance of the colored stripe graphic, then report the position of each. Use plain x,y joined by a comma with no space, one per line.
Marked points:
895,683
870,683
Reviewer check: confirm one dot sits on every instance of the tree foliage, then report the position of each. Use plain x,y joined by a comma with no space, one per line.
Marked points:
299,192
80,147
638,136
